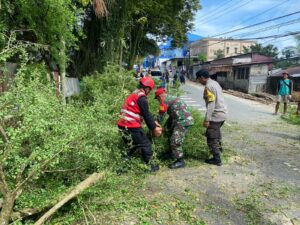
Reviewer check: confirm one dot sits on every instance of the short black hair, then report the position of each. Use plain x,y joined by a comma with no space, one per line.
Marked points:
202,73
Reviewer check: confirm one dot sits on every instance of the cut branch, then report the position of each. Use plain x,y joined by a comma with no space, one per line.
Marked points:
33,172
73,193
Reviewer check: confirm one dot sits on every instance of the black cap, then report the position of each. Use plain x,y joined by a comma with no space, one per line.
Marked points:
202,73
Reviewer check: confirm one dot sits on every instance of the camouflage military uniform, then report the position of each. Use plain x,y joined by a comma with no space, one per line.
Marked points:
179,121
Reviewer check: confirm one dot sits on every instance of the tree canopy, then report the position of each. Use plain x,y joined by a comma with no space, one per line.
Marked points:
269,50
90,34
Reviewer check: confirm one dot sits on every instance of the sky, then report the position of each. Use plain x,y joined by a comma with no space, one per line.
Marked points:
219,16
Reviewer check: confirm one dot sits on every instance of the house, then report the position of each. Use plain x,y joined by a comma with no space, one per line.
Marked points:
273,79
247,73
210,46
171,57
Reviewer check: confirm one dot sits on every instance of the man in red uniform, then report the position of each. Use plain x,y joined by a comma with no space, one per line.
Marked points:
134,110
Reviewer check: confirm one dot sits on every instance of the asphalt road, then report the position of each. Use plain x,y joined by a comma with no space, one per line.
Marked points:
239,110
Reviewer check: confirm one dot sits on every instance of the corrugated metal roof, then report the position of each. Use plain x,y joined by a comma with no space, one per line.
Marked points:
293,71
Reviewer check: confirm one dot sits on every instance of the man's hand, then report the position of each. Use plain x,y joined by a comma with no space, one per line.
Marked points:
157,131
206,124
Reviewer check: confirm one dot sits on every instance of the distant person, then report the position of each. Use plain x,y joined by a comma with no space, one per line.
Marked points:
284,90
215,115
167,77
163,83
182,78
175,78
178,124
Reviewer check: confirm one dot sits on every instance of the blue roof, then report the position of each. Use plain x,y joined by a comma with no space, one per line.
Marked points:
191,38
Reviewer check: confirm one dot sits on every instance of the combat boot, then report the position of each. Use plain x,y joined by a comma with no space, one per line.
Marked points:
168,155
215,160
179,163
153,168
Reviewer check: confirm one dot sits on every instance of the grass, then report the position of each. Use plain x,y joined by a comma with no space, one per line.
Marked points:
127,199
291,117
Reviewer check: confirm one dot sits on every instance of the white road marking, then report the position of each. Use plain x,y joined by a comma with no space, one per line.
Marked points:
195,105
296,169
287,164
185,99
190,101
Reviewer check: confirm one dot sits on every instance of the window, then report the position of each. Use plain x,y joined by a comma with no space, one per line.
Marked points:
222,74
241,73
227,50
236,50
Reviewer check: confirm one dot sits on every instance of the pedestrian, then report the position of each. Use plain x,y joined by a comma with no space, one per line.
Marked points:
134,110
163,83
215,115
167,77
182,78
175,77
284,89
178,124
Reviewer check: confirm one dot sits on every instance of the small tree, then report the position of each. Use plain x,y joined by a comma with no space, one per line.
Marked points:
269,50
289,52
219,54
202,58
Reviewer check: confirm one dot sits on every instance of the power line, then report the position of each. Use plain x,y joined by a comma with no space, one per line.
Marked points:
270,27
257,24
225,11
257,38
255,16
219,8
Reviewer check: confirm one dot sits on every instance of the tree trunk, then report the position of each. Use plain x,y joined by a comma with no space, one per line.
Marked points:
7,208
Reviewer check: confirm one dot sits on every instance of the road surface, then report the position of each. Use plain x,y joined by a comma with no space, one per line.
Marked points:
240,110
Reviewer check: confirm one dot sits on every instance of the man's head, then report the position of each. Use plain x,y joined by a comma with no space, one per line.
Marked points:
159,94
147,84
285,75
202,76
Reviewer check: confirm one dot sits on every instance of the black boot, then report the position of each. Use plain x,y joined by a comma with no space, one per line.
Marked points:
215,160
179,163
168,155
153,168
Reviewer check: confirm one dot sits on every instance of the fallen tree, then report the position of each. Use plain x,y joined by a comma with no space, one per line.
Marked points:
73,193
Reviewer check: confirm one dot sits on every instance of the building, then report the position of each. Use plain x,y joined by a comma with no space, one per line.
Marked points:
210,46
171,57
247,73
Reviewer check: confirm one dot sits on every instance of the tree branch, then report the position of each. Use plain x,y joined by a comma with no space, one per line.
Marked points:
3,134
33,172
3,185
73,193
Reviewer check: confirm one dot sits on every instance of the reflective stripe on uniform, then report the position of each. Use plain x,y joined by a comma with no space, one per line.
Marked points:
127,118
131,113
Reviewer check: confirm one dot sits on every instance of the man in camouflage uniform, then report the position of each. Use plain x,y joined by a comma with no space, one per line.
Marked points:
179,121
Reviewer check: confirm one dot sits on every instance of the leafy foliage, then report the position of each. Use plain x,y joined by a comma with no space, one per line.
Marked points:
269,50
219,54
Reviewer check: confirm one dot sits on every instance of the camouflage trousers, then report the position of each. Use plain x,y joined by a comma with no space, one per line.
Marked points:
177,138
